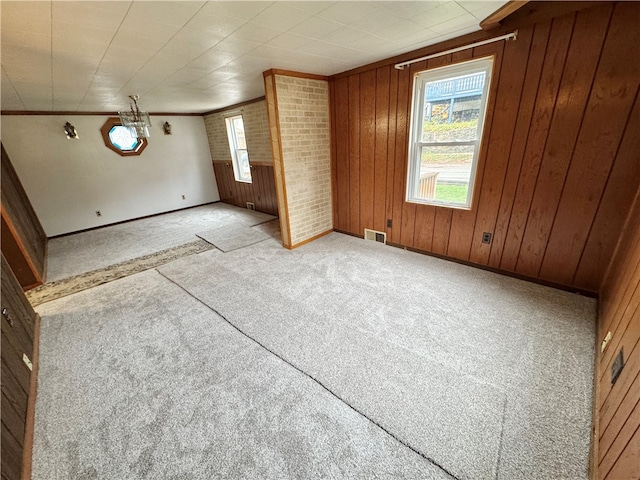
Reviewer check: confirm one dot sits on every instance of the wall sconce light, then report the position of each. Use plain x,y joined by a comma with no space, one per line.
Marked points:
166,126
70,131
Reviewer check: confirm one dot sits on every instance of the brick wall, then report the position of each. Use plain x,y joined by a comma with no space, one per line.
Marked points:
303,115
254,117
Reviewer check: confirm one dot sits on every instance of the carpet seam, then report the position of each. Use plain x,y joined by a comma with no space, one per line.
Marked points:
311,377
504,414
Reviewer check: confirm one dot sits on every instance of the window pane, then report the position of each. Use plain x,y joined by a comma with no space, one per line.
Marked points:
121,138
452,108
238,126
445,173
243,165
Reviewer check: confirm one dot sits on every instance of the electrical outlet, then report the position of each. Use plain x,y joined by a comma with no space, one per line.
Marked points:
98,213
486,237
184,197
389,223
616,368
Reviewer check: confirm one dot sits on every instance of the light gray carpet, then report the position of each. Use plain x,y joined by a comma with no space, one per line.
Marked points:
139,380
84,252
53,290
233,237
451,369
358,303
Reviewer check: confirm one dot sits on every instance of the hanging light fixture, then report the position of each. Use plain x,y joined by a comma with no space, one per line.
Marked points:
136,121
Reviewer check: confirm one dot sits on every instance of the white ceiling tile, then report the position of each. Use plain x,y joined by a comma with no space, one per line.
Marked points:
207,25
345,35
464,21
235,46
243,10
212,59
255,33
474,5
442,13
27,16
33,41
289,41
168,13
196,56
349,12
316,27
281,17
312,7
374,21
400,30
410,9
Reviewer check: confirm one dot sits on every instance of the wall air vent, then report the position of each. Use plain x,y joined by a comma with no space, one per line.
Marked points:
375,236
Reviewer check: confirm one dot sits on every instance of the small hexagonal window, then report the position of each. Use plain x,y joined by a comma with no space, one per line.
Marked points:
119,138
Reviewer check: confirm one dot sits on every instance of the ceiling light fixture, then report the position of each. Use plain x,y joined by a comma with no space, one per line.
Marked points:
70,131
136,121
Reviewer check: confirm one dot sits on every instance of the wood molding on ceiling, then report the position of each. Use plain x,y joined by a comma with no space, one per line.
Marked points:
234,106
291,73
493,20
106,114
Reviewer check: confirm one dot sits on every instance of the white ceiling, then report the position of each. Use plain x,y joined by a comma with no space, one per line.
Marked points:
186,56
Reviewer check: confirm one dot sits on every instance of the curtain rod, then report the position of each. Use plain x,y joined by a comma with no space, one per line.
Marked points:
508,36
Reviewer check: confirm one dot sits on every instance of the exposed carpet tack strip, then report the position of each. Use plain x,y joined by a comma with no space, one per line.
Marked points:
62,288
430,460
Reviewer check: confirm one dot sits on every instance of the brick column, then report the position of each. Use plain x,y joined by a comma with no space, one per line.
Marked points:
298,112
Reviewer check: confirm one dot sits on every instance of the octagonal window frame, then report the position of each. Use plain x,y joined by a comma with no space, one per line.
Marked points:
115,122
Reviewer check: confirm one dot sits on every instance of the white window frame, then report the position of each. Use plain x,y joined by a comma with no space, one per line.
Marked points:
236,150
417,119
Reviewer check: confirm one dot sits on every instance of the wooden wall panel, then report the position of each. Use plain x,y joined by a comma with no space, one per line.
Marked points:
527,103
611,98
619,404
261,192
381,141
551,173
18,324
367,148
341,121
26,250
353,161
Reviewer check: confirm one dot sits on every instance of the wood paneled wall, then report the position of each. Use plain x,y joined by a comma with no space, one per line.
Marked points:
558,168
619,404
24,242
261,192
18,325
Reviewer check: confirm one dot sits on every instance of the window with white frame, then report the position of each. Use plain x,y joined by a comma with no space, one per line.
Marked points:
238,147
449,105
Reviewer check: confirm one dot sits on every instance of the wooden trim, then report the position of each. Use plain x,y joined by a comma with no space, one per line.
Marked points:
493,20
252,163
106,114
309,240
23,251
292,73
130,220
595,417
280,160
27,450
235,105
115,122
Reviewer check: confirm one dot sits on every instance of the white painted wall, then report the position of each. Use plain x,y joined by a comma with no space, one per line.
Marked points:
68,180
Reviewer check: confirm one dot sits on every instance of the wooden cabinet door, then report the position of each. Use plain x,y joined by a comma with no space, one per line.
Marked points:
18,320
